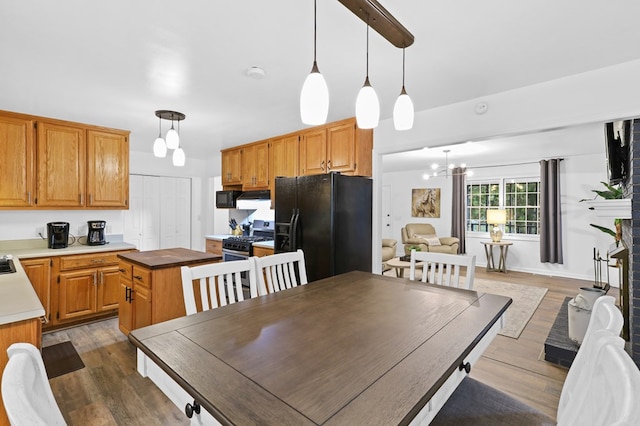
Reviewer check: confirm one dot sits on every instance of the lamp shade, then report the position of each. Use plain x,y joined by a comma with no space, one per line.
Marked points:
314,98
173,139
367,107
160,148
496,217
178,157
403,112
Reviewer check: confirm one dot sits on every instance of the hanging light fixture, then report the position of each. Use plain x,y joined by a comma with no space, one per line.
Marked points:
314,97
403,112
172,137
448,169
367,103
159,146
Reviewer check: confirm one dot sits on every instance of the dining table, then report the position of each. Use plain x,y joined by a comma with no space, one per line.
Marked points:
355,348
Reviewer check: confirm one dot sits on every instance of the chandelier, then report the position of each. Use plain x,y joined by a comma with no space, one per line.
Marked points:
448,169
172,138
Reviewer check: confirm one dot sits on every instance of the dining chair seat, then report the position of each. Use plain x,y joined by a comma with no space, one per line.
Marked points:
281,271
444,269
217,284
26,393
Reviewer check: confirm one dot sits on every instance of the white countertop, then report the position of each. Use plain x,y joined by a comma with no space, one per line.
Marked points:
18,299
218,237
264,244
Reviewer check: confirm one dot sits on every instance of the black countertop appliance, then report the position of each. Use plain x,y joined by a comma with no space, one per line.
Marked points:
95,237
328,217
57,235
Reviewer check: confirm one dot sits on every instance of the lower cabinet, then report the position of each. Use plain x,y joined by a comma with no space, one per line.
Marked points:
38,271
262,251
213,246
134,297
86,286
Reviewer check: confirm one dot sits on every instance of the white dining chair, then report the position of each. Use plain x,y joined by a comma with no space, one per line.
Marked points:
217,284
281,271
26,393
444,269
474,402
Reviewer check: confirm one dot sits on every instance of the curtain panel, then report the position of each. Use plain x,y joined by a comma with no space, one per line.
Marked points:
550,214
458,206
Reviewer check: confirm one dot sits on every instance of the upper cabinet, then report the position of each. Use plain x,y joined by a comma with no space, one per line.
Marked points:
335,147
55,164
17,167
232,167
255,163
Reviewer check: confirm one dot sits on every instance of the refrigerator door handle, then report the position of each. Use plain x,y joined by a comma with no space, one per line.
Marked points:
293,231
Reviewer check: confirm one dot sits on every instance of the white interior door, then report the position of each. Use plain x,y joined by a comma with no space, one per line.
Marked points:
183,213
134,216
168,212
151,219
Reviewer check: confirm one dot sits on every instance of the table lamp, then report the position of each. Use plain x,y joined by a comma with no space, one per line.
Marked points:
496,218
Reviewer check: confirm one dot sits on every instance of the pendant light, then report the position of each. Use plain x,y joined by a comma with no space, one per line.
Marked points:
314,97
159,146
403,111
173,139
367,104
178,157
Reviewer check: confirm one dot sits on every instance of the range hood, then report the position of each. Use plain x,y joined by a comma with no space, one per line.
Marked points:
254,200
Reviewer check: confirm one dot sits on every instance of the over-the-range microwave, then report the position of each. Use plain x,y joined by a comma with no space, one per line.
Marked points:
227,199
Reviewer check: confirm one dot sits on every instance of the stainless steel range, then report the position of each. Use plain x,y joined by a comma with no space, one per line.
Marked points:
241,247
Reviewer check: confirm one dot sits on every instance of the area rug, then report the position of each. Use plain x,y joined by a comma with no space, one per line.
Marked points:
526,300
61,358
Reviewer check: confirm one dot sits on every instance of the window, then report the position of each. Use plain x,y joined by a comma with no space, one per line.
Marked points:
519,197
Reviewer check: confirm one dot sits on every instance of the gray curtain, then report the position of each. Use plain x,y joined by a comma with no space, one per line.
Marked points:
458,222
550,214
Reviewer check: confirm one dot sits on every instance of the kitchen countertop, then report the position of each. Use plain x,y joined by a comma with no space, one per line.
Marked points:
264,244
166,258
218,237
18,299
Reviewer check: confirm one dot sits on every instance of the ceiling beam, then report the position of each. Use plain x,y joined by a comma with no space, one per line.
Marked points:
379,18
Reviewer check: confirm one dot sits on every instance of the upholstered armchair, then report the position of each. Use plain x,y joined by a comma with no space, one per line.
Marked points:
388,249
423,235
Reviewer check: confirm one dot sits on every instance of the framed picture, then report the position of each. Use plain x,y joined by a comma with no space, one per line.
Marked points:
425,202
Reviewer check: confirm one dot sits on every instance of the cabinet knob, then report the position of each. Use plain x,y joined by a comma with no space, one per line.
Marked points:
466,366
189,409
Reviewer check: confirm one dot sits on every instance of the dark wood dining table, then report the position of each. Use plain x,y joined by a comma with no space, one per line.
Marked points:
356,348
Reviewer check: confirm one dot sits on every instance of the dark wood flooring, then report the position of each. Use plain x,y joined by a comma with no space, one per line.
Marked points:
109,391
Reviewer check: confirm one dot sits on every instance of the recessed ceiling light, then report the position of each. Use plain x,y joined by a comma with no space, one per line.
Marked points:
255,72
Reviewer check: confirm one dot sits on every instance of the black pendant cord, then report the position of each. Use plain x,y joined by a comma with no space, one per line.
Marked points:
403,68
367,47
159,127
315,11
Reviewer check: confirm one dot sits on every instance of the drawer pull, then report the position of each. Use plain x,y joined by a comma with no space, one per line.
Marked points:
122,270
466,366
190,409
138,277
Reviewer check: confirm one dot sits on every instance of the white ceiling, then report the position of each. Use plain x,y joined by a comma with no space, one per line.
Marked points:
114,63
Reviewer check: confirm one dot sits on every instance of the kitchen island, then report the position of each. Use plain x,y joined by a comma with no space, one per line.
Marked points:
151,285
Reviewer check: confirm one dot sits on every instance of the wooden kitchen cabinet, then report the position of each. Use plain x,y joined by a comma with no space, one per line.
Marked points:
337,147
87,285
38,271
53,164
255,163
17,160
232,166
262,251
61,162
151,285
107,169
213,246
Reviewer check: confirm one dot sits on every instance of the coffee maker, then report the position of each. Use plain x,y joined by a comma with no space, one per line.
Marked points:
96,232
57,235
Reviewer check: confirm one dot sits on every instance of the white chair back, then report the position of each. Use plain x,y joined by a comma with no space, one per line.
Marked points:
443,269
27,396
606,319
278,272
217,284
610,393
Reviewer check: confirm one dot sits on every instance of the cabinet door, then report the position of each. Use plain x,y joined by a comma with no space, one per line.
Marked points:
108,288
255,163
141,307
125,307
341,148
77,293
61,162
283,157
213,246
17,167
232,167
107,169
313,152
39,273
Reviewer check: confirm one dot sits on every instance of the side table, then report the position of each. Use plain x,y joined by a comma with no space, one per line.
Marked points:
401,265
504,249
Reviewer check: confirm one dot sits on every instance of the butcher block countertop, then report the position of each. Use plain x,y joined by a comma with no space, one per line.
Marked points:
167,258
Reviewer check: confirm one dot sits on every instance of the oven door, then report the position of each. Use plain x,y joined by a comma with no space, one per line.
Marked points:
231,255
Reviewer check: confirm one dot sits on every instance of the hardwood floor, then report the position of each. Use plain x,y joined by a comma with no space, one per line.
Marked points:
109,391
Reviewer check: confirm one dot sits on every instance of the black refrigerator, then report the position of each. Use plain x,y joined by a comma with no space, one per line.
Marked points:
327,216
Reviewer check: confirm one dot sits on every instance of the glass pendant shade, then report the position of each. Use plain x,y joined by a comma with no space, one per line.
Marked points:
367,107
172,138
160,148
403,112
314,98
178,157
